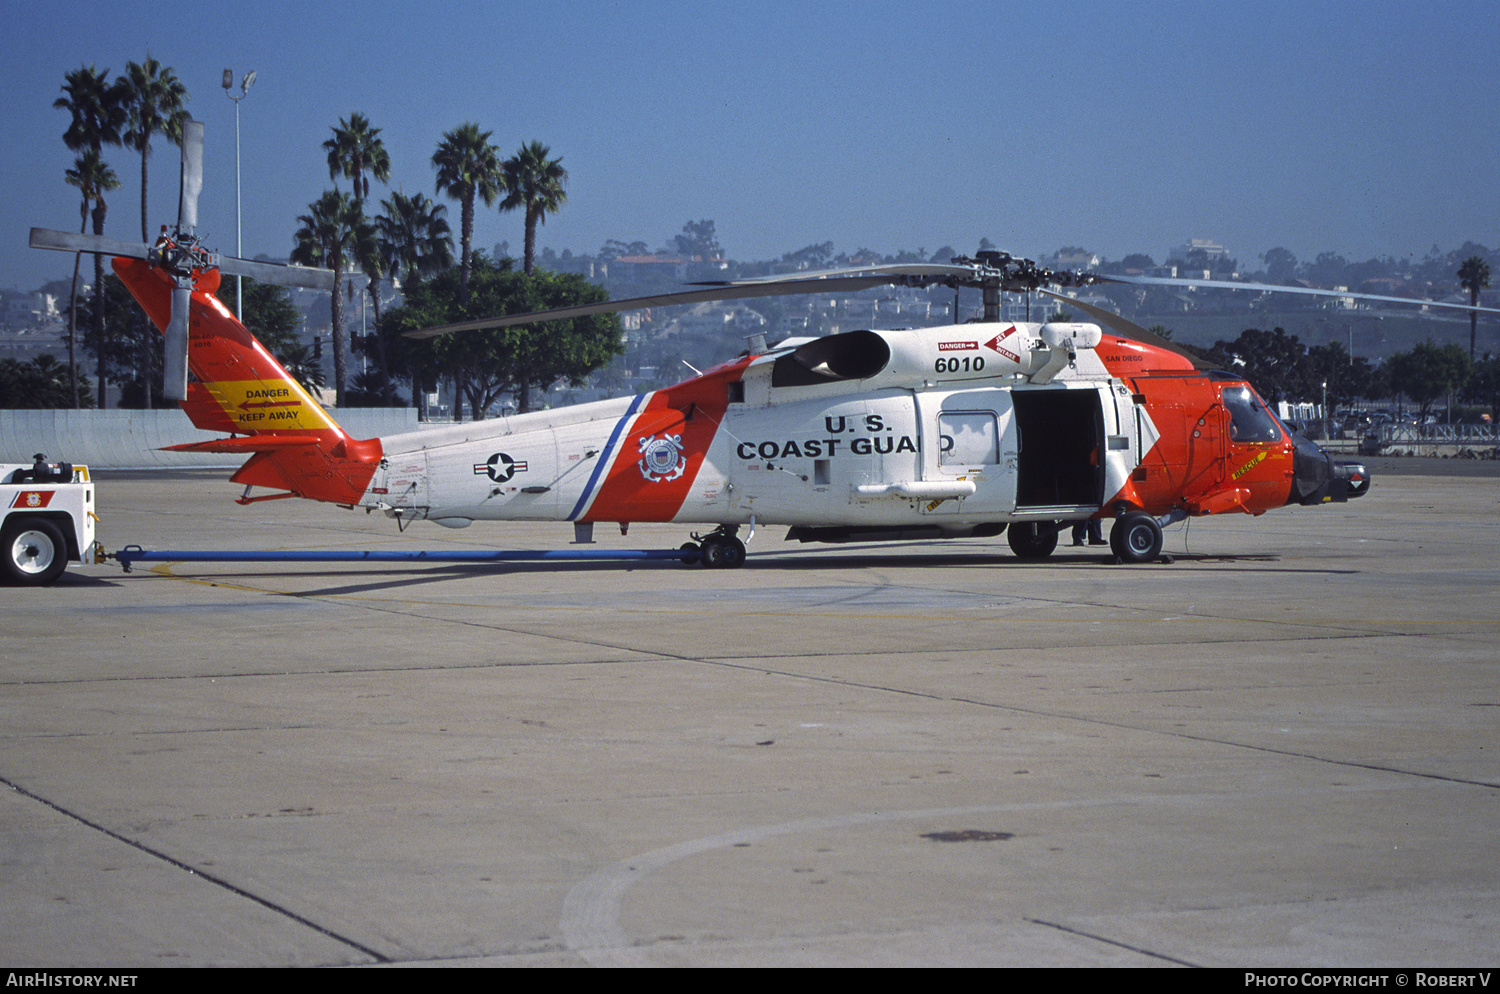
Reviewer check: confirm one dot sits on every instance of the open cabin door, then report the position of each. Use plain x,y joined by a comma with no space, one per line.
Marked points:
1060,459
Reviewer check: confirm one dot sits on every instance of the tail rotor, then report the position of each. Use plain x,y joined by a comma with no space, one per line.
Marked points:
179,254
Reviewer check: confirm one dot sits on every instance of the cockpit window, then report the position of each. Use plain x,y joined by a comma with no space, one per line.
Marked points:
1249,421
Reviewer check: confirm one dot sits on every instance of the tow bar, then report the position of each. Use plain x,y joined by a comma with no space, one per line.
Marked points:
132,554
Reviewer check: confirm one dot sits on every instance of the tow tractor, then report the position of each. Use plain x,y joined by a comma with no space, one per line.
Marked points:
46,518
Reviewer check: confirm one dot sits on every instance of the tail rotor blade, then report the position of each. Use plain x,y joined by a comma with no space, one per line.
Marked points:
175,366
72,241
277,274
192,175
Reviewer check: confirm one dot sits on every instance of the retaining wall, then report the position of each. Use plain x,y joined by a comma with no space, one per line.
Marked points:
123,439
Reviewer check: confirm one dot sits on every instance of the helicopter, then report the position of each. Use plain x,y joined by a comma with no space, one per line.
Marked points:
964,430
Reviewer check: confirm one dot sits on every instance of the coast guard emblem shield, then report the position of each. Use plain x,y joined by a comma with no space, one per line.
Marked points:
661,458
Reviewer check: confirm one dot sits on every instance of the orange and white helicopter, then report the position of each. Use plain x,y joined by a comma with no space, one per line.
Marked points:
956,431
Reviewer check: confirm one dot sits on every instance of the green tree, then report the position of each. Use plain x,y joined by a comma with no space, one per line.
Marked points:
489,364
468,168
1281,265
533,183
131,355
1484,386
811,257
415,240
1473,276
269,314
1330,364
98,113
154,99
298,360
415,243
698,240
355,150
41,383
156,102
373,389
97,108
334,234
93,177
371,261
1429,372
1271,360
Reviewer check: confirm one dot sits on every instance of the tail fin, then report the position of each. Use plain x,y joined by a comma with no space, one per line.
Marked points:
292,442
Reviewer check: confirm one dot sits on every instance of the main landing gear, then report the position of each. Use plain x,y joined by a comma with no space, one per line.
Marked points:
1135,538
719,549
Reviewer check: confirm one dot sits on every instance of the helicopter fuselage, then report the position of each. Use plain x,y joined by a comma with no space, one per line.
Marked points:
955,429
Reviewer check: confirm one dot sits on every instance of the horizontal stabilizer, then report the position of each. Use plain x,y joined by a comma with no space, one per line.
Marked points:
248,443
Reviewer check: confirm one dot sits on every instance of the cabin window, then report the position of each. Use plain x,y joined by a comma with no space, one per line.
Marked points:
969,438
1249,421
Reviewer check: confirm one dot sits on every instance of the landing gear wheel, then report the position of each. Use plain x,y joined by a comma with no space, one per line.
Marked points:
1136,537
34,552
1032,539
722,552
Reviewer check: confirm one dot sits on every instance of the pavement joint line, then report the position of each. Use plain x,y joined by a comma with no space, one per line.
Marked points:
211,878
1113,942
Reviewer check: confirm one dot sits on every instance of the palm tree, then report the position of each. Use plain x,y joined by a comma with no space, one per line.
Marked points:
98,114
156,100
415,244
354,149
370,258
468,166
298,360
534,182
334,232
415,239
92,176
1473,276
97,107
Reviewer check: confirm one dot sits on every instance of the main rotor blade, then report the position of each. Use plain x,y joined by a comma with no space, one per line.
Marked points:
1273,288
278,274
733,291
1129,328
175,365
924,271
192,175
72,241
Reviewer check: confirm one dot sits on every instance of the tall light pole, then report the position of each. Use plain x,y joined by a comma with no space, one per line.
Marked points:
239,248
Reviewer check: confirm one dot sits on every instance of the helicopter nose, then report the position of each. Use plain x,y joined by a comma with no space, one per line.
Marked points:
1318,479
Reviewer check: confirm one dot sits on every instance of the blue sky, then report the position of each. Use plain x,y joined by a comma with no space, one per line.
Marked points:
1365,128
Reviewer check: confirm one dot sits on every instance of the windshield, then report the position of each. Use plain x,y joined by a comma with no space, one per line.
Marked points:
1249,421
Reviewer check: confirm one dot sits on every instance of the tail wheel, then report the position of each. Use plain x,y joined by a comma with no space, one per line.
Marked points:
1032,539
1136,537
34,551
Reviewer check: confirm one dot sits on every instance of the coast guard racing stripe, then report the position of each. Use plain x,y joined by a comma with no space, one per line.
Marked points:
652,466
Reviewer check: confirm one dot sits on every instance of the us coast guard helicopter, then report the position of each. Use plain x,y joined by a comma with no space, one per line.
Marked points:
964,430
